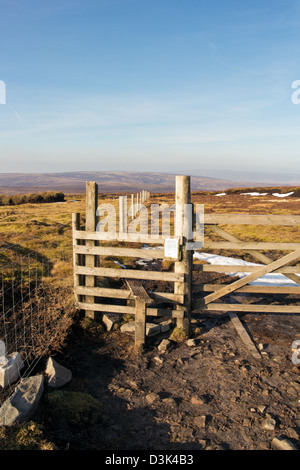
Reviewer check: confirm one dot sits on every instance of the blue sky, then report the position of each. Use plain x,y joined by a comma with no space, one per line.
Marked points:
149,85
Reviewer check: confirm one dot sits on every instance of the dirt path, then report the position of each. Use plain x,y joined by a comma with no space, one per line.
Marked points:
213,395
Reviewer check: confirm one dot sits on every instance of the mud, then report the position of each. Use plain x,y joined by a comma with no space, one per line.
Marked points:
213,395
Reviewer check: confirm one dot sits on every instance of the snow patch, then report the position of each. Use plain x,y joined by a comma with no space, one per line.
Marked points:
266,280
283,195
254,194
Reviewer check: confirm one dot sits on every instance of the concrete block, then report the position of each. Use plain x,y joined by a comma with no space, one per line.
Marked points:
10,372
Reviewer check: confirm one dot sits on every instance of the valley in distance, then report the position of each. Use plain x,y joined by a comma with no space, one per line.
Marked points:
74,182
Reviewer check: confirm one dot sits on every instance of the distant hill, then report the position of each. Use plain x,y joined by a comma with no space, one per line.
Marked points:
108,181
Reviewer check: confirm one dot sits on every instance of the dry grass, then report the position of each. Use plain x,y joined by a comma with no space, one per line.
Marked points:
28,436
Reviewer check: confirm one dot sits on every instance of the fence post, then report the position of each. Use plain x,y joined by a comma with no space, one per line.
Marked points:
122,215
132,206
90,225
184,266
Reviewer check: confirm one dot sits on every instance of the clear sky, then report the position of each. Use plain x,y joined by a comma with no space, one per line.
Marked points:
149,85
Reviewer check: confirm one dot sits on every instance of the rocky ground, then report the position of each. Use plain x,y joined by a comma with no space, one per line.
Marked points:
210,393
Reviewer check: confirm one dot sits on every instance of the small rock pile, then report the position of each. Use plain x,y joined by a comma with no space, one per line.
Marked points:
22,404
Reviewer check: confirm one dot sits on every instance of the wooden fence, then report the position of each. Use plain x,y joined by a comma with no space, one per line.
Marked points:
131,297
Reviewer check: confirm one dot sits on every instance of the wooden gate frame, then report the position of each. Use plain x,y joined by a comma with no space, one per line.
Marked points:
87,250
212,221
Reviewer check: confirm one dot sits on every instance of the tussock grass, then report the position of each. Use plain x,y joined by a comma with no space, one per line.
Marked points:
28,436
73,407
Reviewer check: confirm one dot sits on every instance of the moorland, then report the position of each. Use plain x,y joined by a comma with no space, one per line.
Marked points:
213,395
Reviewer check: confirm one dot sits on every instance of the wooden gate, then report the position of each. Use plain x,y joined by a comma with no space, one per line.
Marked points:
283,265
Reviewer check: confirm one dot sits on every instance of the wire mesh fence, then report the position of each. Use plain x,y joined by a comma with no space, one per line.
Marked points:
36,306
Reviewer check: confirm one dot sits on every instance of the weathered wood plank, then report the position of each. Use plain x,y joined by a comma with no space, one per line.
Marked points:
106,308
248,219
168,297
131,273
260,271
108,236
250,246
111,293
138,291
227,268
163,312
155,312
244,335
250,289
117,251
247,308
140,322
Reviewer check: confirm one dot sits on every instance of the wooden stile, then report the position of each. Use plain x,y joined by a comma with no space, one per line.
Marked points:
87,249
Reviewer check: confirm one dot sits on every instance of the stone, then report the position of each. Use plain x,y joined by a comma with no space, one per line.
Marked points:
58,375
152,329
202,443
200,421
111,319
283,444
165,325
196,400
22,404
164,345
261,408
128,327
268,424
191,342
293,433
10,371
246,422
169,401
152,397
158,360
